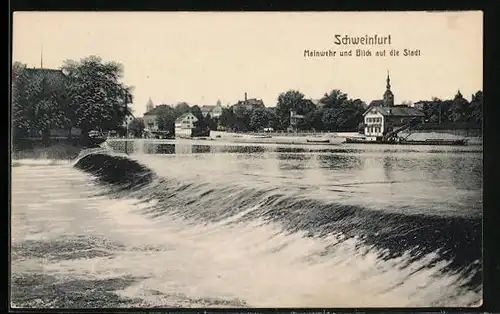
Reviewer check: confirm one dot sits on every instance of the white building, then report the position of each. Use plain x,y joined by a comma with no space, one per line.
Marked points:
150,120
381,120
185,124
374,123
186,121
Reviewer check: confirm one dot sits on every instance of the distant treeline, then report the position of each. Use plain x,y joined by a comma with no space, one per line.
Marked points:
336,112
88,94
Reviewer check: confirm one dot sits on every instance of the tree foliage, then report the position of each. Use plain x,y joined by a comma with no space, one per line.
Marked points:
97,98
166,118
288,101
136,127
38,102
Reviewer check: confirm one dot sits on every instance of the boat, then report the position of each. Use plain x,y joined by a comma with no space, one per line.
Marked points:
262,136
436,142
96,138
461,142
322,141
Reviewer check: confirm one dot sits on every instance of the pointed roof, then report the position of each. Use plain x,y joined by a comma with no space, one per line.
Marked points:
149,103
184,115
398,111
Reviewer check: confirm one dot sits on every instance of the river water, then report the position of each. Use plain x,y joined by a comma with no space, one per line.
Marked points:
216,224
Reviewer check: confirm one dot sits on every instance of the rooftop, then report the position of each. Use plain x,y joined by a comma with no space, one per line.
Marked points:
181,117
399,111
156,110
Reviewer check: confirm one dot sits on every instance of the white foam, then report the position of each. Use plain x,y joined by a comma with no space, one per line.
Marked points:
252,261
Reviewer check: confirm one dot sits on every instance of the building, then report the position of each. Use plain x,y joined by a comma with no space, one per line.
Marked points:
294,120
150,120
186,121
214,111
388,95
382,116
250,103
185,124
317,103
149,105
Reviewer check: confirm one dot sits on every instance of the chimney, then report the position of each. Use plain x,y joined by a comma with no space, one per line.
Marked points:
245,96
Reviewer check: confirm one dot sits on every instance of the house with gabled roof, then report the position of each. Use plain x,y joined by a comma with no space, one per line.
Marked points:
186,121
382,116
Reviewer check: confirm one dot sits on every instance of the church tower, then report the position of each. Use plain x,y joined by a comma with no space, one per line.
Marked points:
149,105
388,95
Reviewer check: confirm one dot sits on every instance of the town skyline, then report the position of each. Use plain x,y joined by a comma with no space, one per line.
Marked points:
246,58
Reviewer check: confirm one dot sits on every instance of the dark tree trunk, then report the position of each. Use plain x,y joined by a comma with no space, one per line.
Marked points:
46,137
84,137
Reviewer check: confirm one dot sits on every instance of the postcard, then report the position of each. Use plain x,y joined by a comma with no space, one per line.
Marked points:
246,160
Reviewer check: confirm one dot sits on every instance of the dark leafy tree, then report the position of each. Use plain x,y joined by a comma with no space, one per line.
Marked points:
259,119
459,110
334,100
136,127
181,108
476,106
329,119
288,101
39,100
165,118
211,122
97,97
227,118
314,120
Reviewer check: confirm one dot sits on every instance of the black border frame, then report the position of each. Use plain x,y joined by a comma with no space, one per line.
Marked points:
491,53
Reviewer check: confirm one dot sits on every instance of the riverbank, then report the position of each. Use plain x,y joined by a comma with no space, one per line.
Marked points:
57,149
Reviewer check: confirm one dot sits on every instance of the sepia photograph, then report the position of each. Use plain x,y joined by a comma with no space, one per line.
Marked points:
246,160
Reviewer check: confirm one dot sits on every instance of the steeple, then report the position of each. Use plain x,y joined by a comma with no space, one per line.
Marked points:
388,95
149,105
388,86
41,57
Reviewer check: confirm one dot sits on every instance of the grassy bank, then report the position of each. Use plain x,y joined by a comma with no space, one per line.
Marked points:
57,149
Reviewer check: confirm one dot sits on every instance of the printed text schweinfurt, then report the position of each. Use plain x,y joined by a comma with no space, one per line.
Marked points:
363,40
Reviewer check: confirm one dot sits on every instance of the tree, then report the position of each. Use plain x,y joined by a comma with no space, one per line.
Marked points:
38,99
272,118
329,119
181,108
259,119
97,97
227,118
314,119
287,101
459,109
334,100
211,122
165,118
201,124
242,115
136,127
476,106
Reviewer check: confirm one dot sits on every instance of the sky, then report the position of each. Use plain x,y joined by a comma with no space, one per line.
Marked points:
203,57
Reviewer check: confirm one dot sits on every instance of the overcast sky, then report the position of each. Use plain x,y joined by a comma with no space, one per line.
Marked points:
202,57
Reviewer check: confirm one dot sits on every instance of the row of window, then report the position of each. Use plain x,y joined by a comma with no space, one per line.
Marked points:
374,129
374,120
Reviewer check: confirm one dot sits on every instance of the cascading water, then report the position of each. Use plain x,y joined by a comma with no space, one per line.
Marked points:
253,226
